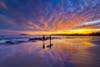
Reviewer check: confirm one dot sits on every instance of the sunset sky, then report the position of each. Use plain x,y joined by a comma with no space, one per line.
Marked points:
49,16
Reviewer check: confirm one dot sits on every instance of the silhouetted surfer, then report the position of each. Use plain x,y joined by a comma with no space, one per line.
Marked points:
43,41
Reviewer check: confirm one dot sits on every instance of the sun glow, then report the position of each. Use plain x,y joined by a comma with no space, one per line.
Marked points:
81,31
74,31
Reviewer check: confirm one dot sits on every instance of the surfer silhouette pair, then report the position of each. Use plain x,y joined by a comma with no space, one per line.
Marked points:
48,46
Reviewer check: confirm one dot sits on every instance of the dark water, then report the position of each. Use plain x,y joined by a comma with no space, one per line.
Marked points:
66,52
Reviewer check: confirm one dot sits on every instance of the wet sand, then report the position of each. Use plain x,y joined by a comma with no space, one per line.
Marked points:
65,52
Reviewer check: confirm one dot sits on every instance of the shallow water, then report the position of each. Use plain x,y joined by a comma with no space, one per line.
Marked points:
71,51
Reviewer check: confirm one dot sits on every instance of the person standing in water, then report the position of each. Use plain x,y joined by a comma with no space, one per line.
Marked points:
43,41
50,41
50,45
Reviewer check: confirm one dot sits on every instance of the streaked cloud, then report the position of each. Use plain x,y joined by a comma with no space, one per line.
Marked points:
49,15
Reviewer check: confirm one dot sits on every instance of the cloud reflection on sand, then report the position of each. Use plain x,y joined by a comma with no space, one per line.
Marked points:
66,51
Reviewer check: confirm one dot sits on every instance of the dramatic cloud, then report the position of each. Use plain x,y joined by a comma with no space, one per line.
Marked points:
49,15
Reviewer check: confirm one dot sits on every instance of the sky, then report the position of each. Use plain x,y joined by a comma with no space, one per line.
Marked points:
48,15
